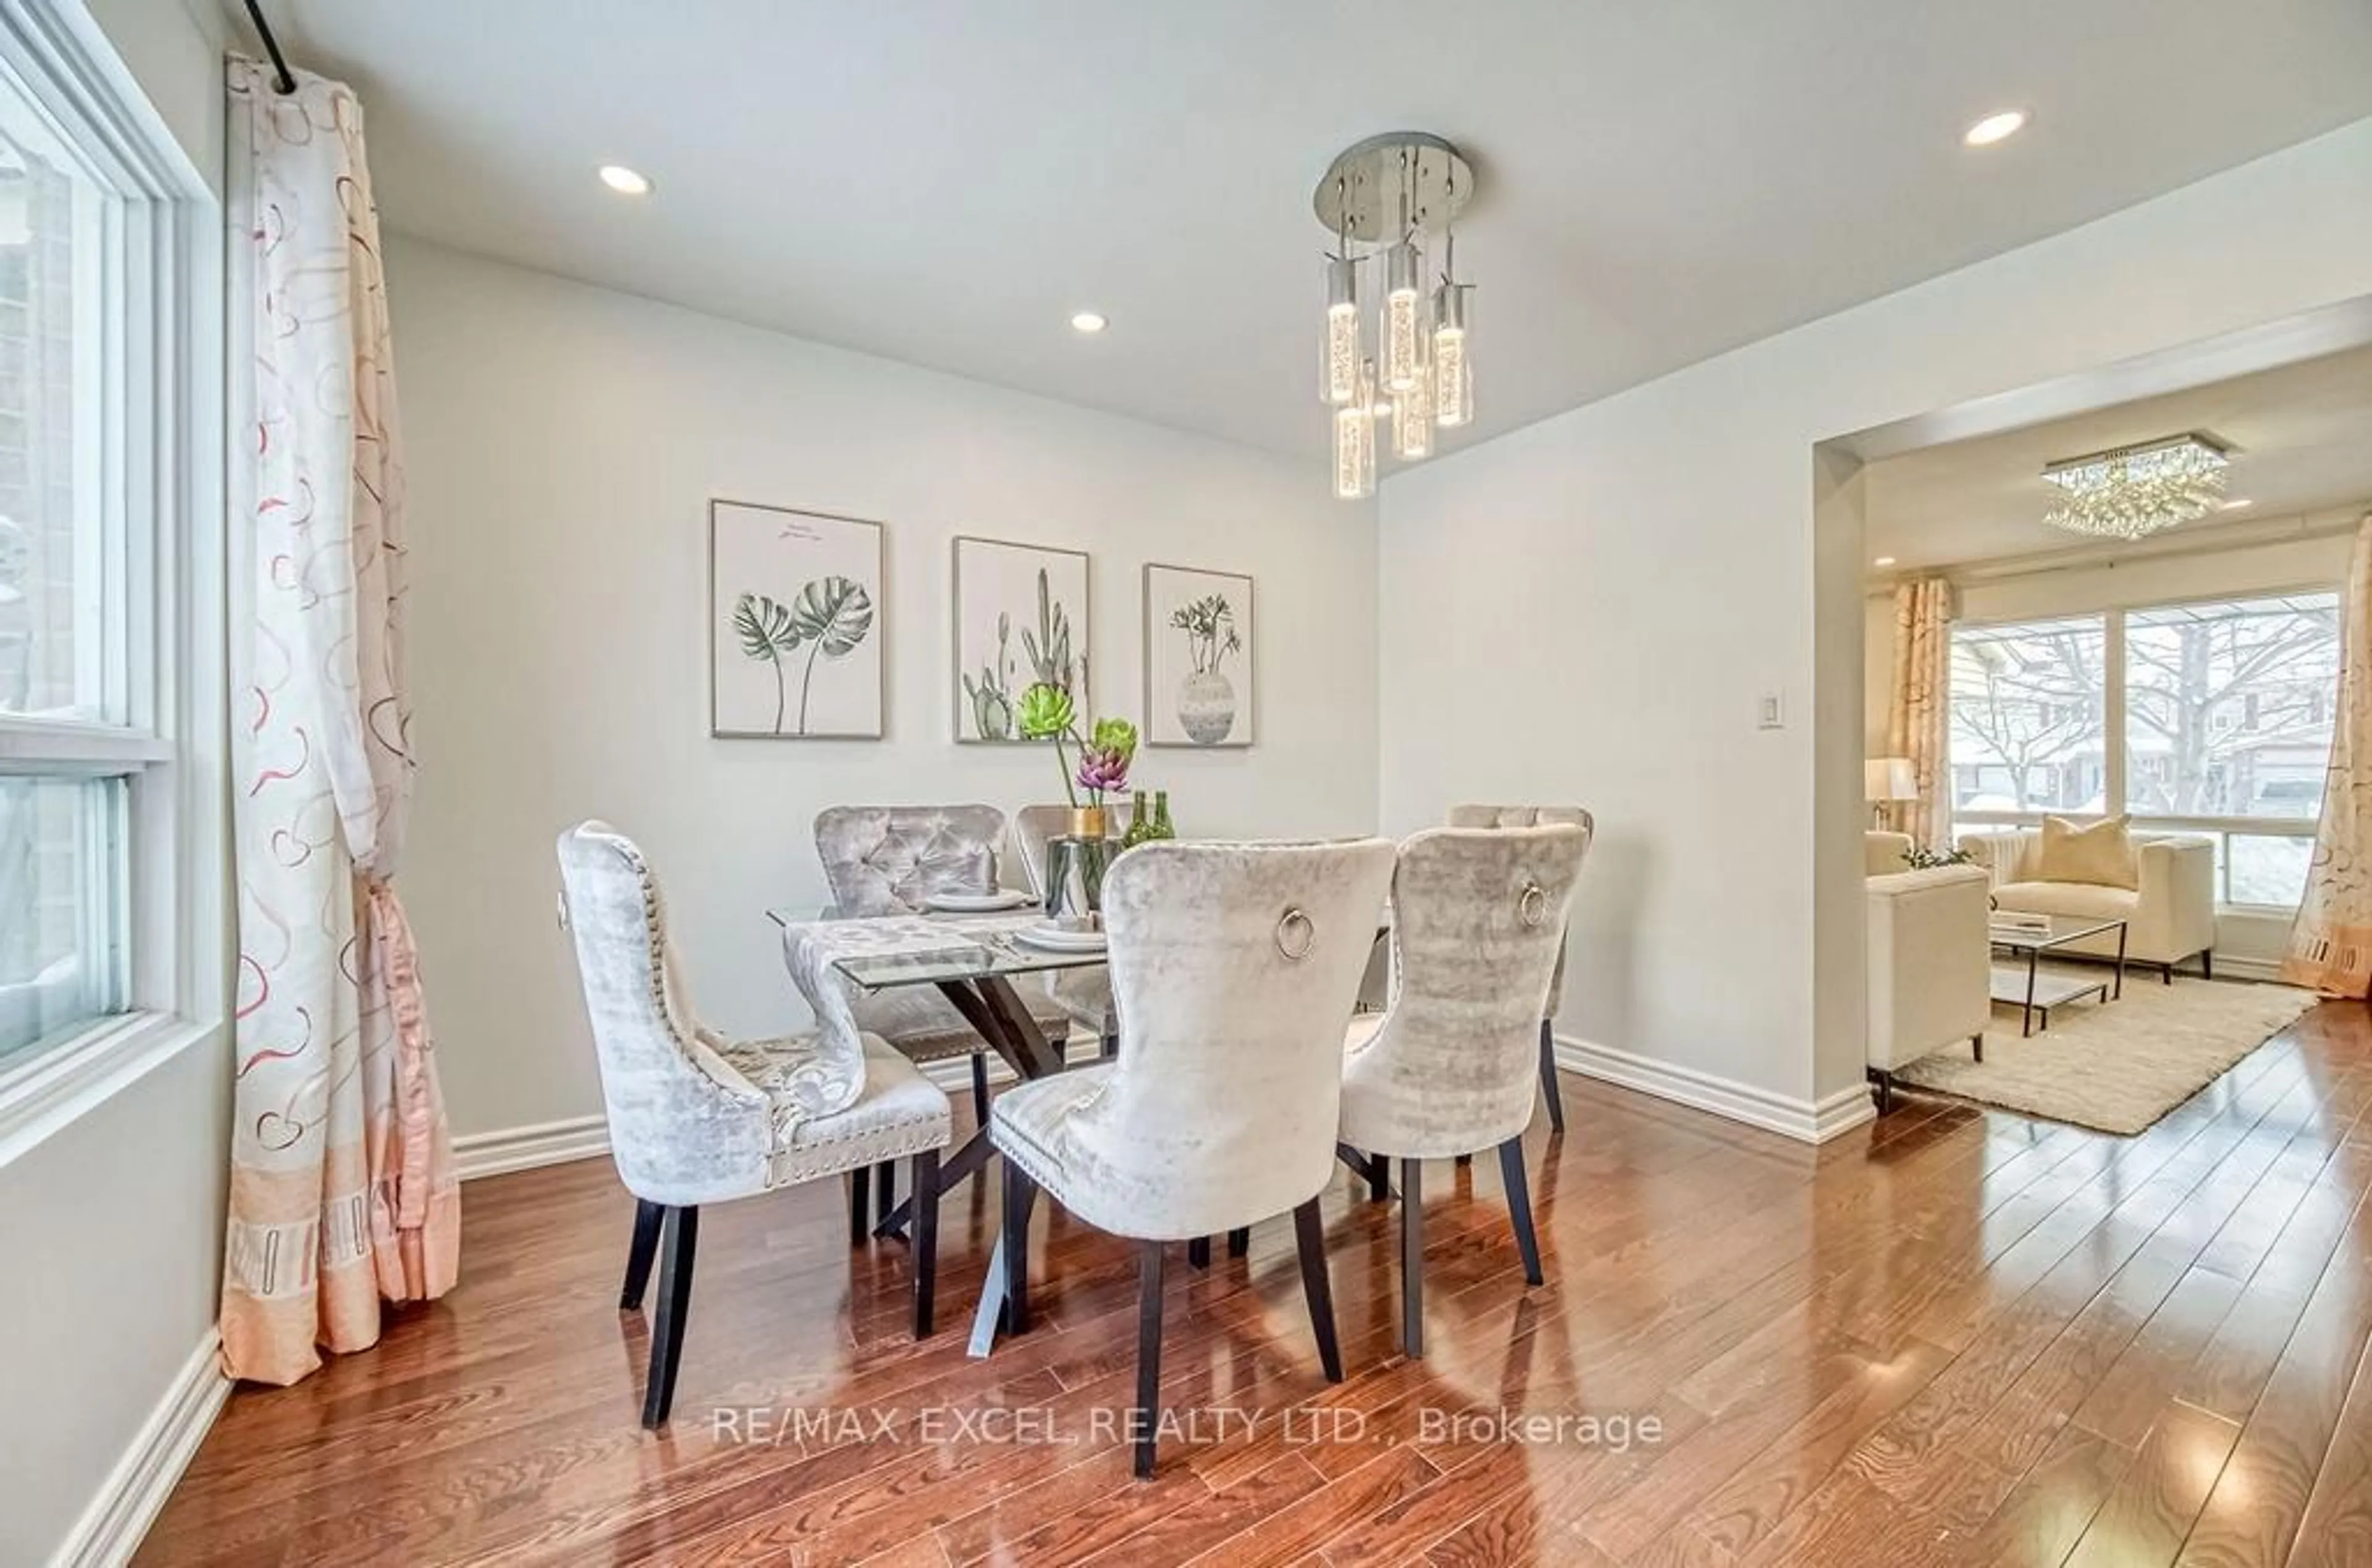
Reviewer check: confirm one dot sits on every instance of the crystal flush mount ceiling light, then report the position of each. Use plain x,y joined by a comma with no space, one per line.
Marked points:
2134,492
1383,201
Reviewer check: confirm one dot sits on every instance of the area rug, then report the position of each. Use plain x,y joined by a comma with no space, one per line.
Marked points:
2119,1067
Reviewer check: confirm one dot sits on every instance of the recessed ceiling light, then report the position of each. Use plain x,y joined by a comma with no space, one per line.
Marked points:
2236,503
1995,128
1883,561
1088,321
625,181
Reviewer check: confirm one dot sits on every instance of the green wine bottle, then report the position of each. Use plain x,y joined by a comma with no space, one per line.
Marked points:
1161,827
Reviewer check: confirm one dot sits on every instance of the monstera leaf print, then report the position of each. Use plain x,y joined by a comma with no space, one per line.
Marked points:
832,616
767,634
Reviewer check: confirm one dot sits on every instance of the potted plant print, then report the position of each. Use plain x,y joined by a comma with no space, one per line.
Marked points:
1206,699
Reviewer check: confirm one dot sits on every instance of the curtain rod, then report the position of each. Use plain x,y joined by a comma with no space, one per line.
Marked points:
288,83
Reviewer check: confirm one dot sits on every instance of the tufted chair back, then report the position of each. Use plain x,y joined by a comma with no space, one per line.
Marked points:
889,859
1034,827
1234,967
1519,817
684,1126
1478,922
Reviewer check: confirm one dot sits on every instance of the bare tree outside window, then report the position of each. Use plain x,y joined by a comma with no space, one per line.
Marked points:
2228,706
2030,715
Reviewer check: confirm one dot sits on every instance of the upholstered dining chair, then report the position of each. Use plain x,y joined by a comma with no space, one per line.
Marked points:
1536,816
697,1119
1445,1070
884,860
1084,995
1234,967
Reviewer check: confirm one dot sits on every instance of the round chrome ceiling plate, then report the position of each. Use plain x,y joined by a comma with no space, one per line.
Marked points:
1400,180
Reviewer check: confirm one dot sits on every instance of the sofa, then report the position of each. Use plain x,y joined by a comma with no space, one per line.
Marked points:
2169,916
1930,967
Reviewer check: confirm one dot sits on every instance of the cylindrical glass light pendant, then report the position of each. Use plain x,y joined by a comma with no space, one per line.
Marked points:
1339,375
1412,421
1355,445
1403,308
1453,372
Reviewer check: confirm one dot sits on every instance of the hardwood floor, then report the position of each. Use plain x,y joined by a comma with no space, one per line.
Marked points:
1955,1337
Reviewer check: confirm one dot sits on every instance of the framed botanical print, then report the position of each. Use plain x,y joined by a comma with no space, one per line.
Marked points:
795,629
1201,657
1021,617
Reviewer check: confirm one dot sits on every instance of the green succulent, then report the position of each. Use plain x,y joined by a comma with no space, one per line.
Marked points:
1116,735
1044,711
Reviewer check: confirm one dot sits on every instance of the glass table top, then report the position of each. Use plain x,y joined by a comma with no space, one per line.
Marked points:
2063,928
894,950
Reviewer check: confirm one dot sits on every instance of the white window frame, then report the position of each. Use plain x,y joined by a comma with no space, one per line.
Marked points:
165,485
2112,718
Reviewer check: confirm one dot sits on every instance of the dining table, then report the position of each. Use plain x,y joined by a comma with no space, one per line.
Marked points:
972,959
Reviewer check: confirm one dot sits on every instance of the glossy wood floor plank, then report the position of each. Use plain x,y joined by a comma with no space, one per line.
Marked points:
1955,1337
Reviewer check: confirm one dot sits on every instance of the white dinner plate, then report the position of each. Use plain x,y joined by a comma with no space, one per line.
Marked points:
980,904
1056,939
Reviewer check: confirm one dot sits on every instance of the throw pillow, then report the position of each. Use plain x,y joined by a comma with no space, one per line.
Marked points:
2102,855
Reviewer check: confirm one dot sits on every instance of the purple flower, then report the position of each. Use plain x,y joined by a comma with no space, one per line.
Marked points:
1103,771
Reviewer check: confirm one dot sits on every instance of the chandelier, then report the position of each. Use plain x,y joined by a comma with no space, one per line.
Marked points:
1384,201
2133,492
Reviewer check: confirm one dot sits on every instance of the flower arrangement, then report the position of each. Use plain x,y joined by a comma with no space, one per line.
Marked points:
1047,713
1920,857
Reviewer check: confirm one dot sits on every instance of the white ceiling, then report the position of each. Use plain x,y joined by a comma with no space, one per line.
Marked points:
2301,439
945,183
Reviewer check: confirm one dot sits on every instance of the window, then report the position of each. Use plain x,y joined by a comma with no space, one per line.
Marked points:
2029,722
2226,711
98,261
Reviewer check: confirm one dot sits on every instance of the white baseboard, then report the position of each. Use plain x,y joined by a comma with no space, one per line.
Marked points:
111,1528
1812,1122
525,1149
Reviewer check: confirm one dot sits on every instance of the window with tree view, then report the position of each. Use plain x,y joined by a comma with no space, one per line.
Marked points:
2226,708
2030,730
2229,714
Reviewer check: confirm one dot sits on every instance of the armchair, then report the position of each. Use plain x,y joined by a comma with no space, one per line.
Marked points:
2169,916
1930,967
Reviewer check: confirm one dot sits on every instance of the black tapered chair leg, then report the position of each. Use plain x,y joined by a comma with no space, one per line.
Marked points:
1019,1192
1379,1186
1146,1414
1549,1089
1198,1252
682,1235
1239,1241
926,1240
885,1192
1520,1206
1309,1240
980,1088
1111,1045
645,1248
1411,1259
860,1188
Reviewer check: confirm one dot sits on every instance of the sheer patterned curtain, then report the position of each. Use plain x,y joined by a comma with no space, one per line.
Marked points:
2330,945
1919,727
341,1185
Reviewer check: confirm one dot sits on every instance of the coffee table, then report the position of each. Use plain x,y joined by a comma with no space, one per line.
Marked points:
2032,992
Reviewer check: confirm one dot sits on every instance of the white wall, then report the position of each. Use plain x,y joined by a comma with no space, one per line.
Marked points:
564,443
1590,609
113,1217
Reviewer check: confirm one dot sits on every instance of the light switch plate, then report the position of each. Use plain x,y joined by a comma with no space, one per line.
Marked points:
1770,712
